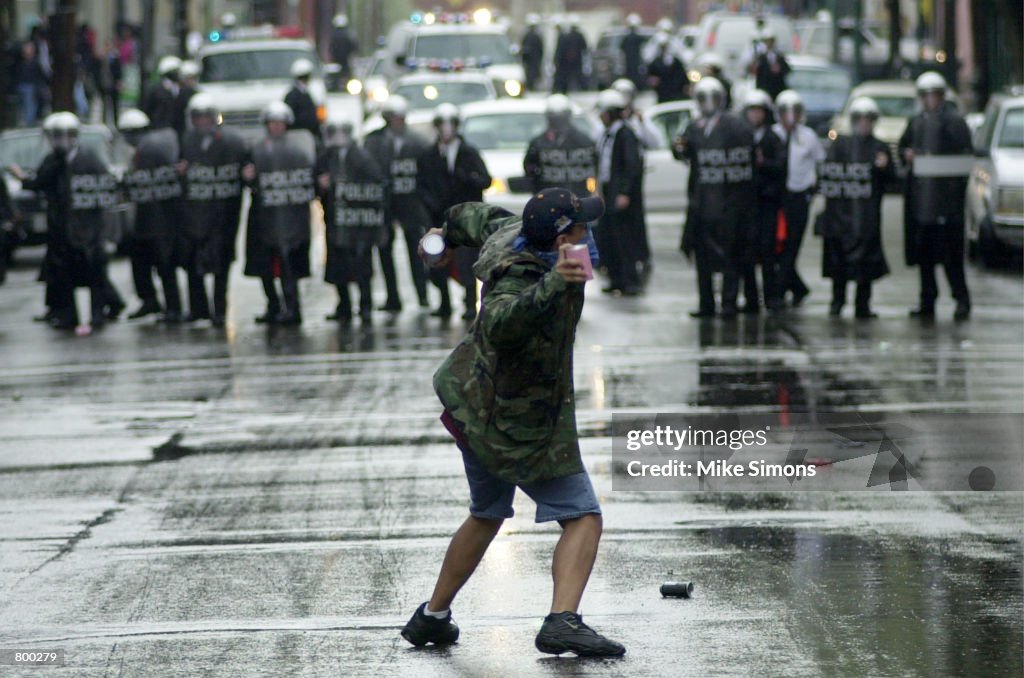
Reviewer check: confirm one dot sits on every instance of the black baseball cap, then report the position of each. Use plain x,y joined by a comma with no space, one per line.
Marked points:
554,210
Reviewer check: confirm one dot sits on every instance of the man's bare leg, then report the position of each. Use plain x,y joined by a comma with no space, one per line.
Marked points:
573,560
467,548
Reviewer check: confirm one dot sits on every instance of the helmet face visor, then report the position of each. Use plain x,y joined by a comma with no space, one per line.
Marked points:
709,101
63,139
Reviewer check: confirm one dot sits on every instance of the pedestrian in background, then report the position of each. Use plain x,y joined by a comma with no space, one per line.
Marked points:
571,53
632,47
343,45
666,73
452,172
301,101
853,180
111,77
936,146
516,430
531,52
31,82
803,153
162,105
770,67
620,174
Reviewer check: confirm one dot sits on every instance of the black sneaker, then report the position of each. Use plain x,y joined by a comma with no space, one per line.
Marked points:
566,632
422,629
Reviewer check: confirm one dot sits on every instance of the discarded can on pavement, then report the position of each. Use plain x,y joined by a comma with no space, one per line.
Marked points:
433,248
677,589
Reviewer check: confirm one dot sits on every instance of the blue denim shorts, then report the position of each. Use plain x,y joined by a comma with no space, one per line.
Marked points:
558,499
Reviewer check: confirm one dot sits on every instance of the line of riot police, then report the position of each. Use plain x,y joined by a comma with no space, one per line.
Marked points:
752,181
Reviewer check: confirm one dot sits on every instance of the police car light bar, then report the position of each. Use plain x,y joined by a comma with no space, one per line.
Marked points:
255,33
482,16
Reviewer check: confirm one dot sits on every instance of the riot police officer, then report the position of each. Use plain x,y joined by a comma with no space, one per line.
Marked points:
212,158
78,186
561,156
153,186
852,181
281,175
719,147
769,186
396,148
936,146
353,192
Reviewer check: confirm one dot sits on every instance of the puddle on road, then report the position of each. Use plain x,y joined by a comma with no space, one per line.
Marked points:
887,606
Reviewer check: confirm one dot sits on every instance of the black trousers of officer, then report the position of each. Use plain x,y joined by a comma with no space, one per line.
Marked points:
412,232
862,300
144,255
199,303
796,207
358,264
731,276
952,261
79,270
289,289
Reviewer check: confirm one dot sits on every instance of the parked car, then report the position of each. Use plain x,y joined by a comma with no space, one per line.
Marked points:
897,102
995,189
607,61
26,148
665,178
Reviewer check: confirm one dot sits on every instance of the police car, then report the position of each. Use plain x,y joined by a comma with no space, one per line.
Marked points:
430,41
246,73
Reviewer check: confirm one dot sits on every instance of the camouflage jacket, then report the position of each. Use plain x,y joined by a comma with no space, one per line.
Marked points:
509,382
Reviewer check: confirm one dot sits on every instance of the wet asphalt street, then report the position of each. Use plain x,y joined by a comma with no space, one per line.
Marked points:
186,501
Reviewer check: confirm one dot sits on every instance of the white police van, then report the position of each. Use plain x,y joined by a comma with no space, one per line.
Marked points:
251,68
455,42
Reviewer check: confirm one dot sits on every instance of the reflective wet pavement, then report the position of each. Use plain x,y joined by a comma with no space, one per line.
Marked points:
193,501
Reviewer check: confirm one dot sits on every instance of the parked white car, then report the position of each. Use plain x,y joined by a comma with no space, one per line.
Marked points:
502,130
666,178
995,189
